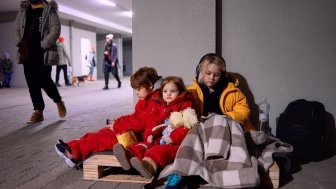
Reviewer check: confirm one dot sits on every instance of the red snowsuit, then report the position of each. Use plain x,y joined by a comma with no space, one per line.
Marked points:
105,138
163,154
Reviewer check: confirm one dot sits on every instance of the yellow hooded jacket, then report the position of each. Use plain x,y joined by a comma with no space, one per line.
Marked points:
232,102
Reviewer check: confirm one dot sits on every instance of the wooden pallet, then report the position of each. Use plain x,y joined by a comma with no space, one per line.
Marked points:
105,167
272,178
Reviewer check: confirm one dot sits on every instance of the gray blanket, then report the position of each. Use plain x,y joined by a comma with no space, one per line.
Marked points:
216,150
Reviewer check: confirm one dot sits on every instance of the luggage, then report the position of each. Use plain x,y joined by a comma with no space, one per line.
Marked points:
302,125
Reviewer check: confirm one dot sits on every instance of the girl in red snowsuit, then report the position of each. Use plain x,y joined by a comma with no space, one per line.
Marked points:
172,98
145,82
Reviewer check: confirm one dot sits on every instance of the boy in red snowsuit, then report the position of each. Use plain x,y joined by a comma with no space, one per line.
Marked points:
172,98
145,82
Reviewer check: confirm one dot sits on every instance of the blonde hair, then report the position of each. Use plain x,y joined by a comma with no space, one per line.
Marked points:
208,59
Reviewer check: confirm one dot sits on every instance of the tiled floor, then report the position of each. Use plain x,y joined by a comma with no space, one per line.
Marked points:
27,155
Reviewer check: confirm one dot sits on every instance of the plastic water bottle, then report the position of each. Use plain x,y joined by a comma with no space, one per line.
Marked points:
264,108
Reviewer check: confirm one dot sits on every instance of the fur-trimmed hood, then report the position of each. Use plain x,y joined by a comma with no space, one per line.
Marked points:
24,4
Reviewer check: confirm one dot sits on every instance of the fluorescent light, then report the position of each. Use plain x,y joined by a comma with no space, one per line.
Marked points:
107,2
128,14
94,19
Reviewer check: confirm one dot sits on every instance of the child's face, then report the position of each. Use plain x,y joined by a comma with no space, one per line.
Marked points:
211,75
170,92
142,93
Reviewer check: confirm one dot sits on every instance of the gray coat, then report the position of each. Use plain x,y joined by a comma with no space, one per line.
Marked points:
51,29
63,55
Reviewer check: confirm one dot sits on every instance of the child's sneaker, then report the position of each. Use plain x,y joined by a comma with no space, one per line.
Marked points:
65,154
146,167
123,156
64,145
174,181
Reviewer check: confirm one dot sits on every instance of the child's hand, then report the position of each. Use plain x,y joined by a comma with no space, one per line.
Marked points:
167,139
150,138
110,124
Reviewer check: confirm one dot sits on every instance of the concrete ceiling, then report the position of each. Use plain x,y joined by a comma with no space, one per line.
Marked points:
105,18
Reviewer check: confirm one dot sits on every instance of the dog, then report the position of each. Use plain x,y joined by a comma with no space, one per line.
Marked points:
76,79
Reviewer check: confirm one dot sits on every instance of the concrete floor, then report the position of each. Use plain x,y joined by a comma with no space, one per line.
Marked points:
28,158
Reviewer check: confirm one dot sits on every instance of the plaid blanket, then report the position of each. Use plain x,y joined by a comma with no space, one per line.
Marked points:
216,150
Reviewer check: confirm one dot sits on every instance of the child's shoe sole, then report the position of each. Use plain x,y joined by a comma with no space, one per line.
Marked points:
140,167
61,152
120,153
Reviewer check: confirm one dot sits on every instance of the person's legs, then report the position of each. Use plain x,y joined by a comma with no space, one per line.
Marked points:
8,77
48,85
50,88
32,74
33,71
116,75
162,155
90,143
58,70
90,74
65,74
157,156
107,71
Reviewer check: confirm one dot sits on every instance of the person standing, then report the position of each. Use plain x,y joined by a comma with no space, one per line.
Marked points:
63,62
37,24
110,62
7,66
90,57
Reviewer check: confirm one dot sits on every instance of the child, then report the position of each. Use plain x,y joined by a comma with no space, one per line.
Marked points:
151,155
215,91
7,65
145,82
90,58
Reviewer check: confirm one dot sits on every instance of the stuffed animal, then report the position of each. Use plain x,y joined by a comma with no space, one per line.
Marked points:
187,118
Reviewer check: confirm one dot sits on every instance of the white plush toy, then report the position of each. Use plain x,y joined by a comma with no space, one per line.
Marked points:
187,118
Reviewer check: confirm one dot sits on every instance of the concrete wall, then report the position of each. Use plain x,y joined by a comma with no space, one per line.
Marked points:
285,50
72,32
7,45
282,50
172,35
127,55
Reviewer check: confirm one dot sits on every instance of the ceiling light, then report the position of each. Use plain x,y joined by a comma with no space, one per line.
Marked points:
128,14
107,2
92,18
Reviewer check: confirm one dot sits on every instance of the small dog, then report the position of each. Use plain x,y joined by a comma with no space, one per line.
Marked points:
76,79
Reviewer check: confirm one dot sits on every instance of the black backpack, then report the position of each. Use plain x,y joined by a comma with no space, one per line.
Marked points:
303,125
